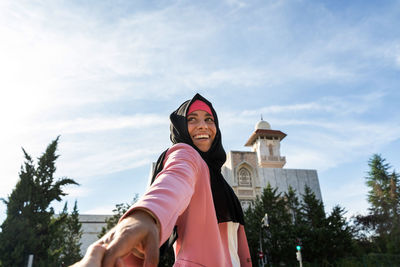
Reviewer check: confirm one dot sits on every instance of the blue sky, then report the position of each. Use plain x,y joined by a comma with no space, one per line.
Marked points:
105,75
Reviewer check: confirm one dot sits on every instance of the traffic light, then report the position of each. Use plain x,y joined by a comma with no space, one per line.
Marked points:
298,244
298,253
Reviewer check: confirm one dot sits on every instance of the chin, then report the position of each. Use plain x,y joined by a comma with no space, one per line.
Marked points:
202,148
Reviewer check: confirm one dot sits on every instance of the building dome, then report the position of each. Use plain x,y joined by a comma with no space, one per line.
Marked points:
263,125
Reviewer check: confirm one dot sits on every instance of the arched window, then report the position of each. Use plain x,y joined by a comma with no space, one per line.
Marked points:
244,177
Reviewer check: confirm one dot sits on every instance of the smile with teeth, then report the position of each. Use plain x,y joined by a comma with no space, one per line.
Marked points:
202,136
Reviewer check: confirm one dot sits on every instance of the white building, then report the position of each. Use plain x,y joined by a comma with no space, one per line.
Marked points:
249,172
91,227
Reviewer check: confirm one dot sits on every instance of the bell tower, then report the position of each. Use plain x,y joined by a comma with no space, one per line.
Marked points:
266,143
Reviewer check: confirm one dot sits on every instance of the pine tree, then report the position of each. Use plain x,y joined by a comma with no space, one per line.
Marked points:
280,231
339,235
72,233
293,204
298,227
29,227
384,197
324,239
314,229
278,237
253,216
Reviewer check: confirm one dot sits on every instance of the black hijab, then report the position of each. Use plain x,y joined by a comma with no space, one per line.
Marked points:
226,203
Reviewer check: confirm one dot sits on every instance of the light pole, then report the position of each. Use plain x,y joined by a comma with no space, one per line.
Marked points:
298,253
30,260
263,257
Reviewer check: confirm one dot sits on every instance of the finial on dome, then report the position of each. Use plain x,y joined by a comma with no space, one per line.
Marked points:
261,117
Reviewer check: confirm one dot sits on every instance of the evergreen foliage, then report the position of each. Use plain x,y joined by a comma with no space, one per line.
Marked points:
30,226
324,239
382,223
328,238
71,233
315,245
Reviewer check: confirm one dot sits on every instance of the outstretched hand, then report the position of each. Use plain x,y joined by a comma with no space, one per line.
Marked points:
137,234
93,256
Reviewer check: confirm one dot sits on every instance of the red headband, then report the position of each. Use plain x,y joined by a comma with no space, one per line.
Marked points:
199,105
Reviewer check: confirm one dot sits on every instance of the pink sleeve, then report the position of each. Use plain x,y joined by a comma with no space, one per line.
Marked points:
243,248
170,194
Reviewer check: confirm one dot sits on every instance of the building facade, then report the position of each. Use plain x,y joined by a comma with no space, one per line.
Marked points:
248,172
91,228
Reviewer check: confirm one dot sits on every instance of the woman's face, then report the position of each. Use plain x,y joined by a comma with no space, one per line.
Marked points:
201,129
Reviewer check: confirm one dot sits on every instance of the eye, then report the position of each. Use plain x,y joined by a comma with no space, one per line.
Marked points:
191,119
209,119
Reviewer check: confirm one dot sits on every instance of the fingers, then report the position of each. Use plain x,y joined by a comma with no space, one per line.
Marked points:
120,246
108,236
93,256
137,233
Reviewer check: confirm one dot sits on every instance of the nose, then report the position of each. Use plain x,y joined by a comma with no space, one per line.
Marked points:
203,124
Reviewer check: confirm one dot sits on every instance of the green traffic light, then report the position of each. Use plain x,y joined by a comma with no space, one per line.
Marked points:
298,248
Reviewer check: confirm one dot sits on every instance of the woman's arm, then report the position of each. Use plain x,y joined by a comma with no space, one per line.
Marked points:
166,199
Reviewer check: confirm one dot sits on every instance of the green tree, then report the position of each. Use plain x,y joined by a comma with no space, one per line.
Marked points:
324,239
280,230
29,227
71,235
339,235
384,198
314,230
278,237
253,216
293,204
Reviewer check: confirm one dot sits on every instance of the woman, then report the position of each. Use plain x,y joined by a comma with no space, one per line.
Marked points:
189,193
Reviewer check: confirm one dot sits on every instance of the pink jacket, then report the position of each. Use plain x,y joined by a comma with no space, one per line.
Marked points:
181,195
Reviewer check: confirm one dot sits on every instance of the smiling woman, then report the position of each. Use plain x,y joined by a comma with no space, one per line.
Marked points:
189,203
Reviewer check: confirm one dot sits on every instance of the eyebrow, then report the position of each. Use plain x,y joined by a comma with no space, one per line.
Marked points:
195,114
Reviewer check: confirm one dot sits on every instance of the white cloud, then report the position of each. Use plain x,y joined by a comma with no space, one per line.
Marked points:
104,123
326,132
341,143
77,191
350,104
102,161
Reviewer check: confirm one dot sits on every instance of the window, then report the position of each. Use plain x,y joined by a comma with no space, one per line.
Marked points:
244,177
